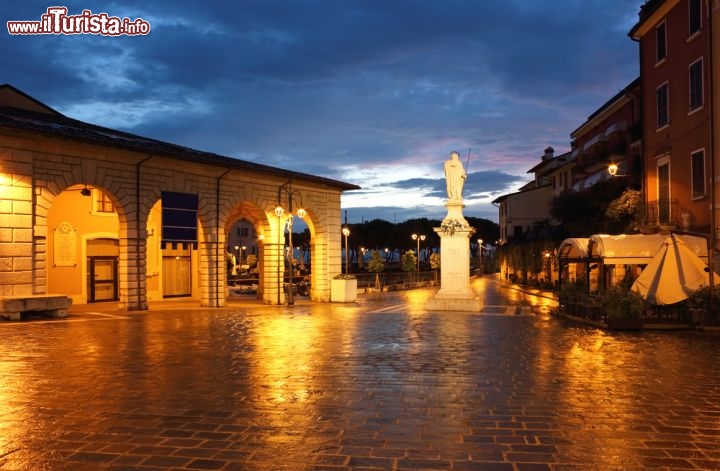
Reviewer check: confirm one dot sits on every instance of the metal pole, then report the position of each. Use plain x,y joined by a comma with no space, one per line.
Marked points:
290,295
418,258
279,258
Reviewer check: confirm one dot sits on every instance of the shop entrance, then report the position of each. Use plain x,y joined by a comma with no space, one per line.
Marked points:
102,270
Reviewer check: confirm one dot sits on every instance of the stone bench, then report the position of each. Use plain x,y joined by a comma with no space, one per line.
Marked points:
53,305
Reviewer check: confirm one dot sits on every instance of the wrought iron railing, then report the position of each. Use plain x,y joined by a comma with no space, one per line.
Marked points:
660,213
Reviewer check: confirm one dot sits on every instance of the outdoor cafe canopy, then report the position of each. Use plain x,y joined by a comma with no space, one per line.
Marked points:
573,249
638,249
672,275
622,249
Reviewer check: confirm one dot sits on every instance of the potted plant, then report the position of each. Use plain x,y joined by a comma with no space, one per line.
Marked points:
699,304
624,309
343,289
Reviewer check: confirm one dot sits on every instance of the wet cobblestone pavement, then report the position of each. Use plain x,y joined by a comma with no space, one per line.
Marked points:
380,384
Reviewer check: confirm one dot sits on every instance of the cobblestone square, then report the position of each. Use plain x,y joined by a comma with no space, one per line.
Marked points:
377,384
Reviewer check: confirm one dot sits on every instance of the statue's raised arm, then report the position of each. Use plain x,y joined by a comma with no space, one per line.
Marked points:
454,177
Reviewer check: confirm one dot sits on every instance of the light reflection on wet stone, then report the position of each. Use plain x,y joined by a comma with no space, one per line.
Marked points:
346,387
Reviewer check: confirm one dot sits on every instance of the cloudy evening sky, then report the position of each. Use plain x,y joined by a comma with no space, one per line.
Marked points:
371,92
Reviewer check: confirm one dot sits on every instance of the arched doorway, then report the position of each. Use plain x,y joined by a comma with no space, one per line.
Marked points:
82,253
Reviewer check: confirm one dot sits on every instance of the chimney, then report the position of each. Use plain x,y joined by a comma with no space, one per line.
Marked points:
549,153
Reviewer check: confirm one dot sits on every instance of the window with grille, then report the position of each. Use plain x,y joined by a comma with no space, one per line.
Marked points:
103,204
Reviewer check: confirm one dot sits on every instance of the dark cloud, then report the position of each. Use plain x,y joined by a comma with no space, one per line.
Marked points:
352,89
478,183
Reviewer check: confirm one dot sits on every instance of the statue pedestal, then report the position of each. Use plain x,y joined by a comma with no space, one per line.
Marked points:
455,293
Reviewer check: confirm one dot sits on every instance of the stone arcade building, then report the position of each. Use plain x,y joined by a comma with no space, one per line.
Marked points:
102,215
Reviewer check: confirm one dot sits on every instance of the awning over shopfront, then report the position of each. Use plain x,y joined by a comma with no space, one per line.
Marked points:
638,249
573,249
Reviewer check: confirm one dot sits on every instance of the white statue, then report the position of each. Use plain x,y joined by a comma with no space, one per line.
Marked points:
454,177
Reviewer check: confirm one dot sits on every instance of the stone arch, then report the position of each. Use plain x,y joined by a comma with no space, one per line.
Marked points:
103,216
315,203
245,210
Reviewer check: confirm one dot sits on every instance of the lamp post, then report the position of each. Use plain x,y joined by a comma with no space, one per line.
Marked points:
279,211
346,233
237,259
418,238
480,254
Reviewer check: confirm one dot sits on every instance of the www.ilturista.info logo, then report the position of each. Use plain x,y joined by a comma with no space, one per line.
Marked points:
57,21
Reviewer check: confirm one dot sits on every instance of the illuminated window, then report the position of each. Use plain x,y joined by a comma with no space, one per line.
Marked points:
660,42
103,204
696,84
697,163
663,116
695,16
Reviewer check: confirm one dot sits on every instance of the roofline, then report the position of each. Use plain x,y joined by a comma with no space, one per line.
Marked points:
501,198
608,104
35,101
165,148
650,12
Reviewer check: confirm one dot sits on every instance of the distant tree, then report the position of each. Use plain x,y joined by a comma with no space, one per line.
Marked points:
485,229
251,260
376,265
435,260
620,214
408,262
582,213
380,234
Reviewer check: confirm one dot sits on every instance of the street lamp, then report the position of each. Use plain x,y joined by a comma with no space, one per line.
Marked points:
418,238
279,212
480,250
346,233
548,265
237,260
613,169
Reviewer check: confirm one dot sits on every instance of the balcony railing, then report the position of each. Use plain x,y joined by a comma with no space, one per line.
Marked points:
660,213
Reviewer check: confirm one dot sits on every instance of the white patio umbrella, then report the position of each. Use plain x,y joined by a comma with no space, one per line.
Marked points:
672,274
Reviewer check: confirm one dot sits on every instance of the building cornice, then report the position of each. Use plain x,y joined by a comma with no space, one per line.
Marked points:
648,20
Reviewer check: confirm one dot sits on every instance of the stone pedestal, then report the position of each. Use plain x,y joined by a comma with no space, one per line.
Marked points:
455,293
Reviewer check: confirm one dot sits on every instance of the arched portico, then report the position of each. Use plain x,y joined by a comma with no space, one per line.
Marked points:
169,201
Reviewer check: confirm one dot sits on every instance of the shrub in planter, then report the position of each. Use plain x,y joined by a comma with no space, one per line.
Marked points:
624,309
620,302
699,305
573,297
574,291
